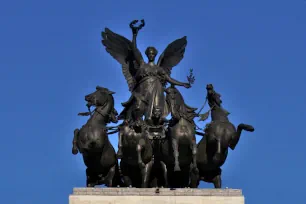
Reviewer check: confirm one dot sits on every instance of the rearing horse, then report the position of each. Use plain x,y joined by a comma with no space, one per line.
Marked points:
92,139
219,135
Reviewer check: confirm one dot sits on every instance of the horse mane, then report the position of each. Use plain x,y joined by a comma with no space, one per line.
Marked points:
183,109
107,107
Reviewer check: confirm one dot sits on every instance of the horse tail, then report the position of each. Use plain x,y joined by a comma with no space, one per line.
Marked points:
237,134
245,127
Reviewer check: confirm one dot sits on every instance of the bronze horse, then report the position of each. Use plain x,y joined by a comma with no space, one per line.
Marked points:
136,154
181,140
136,151
219,135
92,140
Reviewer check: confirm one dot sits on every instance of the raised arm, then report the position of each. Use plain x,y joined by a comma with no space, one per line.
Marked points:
137,54
135,29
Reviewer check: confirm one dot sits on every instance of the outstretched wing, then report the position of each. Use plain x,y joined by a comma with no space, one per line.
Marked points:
120,48
173,54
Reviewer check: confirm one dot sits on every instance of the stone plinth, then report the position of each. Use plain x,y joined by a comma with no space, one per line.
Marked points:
150,196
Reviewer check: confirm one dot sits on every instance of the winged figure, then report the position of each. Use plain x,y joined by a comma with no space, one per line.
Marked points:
146,80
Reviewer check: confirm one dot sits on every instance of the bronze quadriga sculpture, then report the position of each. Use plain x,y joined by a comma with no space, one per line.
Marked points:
154,152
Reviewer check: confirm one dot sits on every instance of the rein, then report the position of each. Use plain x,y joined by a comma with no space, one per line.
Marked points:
203,105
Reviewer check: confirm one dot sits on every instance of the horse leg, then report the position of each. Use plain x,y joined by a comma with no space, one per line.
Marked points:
176,155
110,176
165,173
236,135
119,153
218,154
194,155
154,183
127,181
194,178
146,174
91,178
217,181
74,142
214,176
139,151
124,172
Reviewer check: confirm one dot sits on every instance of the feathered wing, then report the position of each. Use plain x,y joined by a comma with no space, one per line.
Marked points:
173,54
120,48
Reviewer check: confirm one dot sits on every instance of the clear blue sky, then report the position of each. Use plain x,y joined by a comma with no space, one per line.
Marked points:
51,56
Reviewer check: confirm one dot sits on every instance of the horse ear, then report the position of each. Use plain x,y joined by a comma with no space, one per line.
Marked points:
100,88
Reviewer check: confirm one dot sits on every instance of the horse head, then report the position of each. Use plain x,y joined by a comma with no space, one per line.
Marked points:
99,97
177,105
174,100
214,101
103,100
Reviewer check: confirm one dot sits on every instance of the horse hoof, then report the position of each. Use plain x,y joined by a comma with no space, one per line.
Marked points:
177,168
90,185
74,151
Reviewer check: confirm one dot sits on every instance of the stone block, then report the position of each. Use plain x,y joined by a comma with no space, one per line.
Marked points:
149,196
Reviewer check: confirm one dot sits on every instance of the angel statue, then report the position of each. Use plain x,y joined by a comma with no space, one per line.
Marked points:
146,80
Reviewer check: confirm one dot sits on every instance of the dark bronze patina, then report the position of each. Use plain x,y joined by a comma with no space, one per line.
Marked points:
92,140
219,135
154,152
